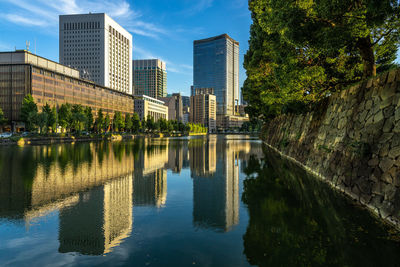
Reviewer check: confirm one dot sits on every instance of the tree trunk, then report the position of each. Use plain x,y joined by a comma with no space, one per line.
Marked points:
368,57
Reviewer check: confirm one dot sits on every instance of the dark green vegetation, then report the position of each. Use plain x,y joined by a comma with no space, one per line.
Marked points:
77,118
296,220
302,51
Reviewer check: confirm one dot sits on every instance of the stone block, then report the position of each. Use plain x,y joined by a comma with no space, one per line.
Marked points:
387,92
388,111
397,114
394,152
373,162
378,116
385,165
387,178
388,126
398,76
369,83
391,76
386,103
384,138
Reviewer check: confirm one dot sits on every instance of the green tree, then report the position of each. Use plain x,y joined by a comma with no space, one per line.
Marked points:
78,118
29,112
3,119
100,121
118,121
150,124
89,119
136,124
65,116
42,119
51,117
302,51
128,123
107,121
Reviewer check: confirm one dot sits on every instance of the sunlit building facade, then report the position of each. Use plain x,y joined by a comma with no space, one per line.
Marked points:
146,106
216,65
22,73
203,107
99,48
150,77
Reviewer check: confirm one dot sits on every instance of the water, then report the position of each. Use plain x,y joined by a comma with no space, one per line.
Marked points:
216,201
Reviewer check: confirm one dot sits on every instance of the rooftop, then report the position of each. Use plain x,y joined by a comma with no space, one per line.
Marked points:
218,37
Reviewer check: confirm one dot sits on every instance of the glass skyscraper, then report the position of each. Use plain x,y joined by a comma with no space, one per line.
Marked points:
216,65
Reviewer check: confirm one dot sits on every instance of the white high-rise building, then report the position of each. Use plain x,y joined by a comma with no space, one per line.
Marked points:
99,48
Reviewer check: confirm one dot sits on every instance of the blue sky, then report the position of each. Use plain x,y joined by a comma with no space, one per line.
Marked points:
162,29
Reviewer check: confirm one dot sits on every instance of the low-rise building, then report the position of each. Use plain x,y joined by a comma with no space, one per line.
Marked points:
174,104
147,106
231,122
23,73
203,108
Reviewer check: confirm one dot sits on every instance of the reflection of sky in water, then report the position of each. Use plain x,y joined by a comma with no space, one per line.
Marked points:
81,200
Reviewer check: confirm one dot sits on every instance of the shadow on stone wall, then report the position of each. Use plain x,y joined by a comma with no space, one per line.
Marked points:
352,140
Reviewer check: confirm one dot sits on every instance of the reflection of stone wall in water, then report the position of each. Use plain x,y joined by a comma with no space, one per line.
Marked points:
99,221
352,140
216,197
297,220
55,173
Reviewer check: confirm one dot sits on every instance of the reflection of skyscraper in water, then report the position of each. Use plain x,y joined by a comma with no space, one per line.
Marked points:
202,154
216,198
150,189
100,220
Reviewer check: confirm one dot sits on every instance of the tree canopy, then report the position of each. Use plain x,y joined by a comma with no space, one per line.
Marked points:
302,50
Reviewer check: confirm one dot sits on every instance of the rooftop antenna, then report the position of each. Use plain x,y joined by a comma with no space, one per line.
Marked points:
27,45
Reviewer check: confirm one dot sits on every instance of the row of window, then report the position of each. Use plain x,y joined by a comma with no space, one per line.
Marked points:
82,25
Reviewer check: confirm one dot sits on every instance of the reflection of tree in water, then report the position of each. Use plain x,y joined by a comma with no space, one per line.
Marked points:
296,220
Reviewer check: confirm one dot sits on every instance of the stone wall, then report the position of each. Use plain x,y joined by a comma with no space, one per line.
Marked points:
352,140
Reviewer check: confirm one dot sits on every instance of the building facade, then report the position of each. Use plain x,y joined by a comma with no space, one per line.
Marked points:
147,106
99,48
175,108
216,65
23,73
203,107
150,77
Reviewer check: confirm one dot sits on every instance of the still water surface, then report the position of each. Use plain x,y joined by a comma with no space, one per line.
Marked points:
207,201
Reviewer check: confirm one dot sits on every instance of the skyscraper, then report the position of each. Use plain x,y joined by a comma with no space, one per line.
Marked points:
99,48
150,77
216,65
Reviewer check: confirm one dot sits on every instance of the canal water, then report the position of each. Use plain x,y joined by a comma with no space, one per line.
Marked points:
205,201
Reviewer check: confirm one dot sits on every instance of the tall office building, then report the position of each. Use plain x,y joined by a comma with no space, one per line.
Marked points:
150,77
216,65
99,48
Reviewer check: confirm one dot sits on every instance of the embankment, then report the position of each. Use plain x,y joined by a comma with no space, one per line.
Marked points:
352,140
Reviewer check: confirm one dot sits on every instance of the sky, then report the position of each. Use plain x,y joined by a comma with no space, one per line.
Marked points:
163,29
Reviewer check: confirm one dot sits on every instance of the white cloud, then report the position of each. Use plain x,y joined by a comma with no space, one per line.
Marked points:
44,13
198,7
17,19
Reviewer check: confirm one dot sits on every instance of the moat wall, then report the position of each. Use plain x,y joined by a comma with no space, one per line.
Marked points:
352,140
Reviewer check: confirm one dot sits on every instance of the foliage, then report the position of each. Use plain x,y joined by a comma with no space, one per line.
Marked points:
100,121
197,128
65,116
3,119
302,51
128,123
42,119
107,121
78,118
150,124
118,121
136,124
89,119
29,112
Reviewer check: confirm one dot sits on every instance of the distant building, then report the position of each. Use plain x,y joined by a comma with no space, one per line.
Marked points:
174,104
203,108
216,65
52,83
147,106
150,77
99,48
185,101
